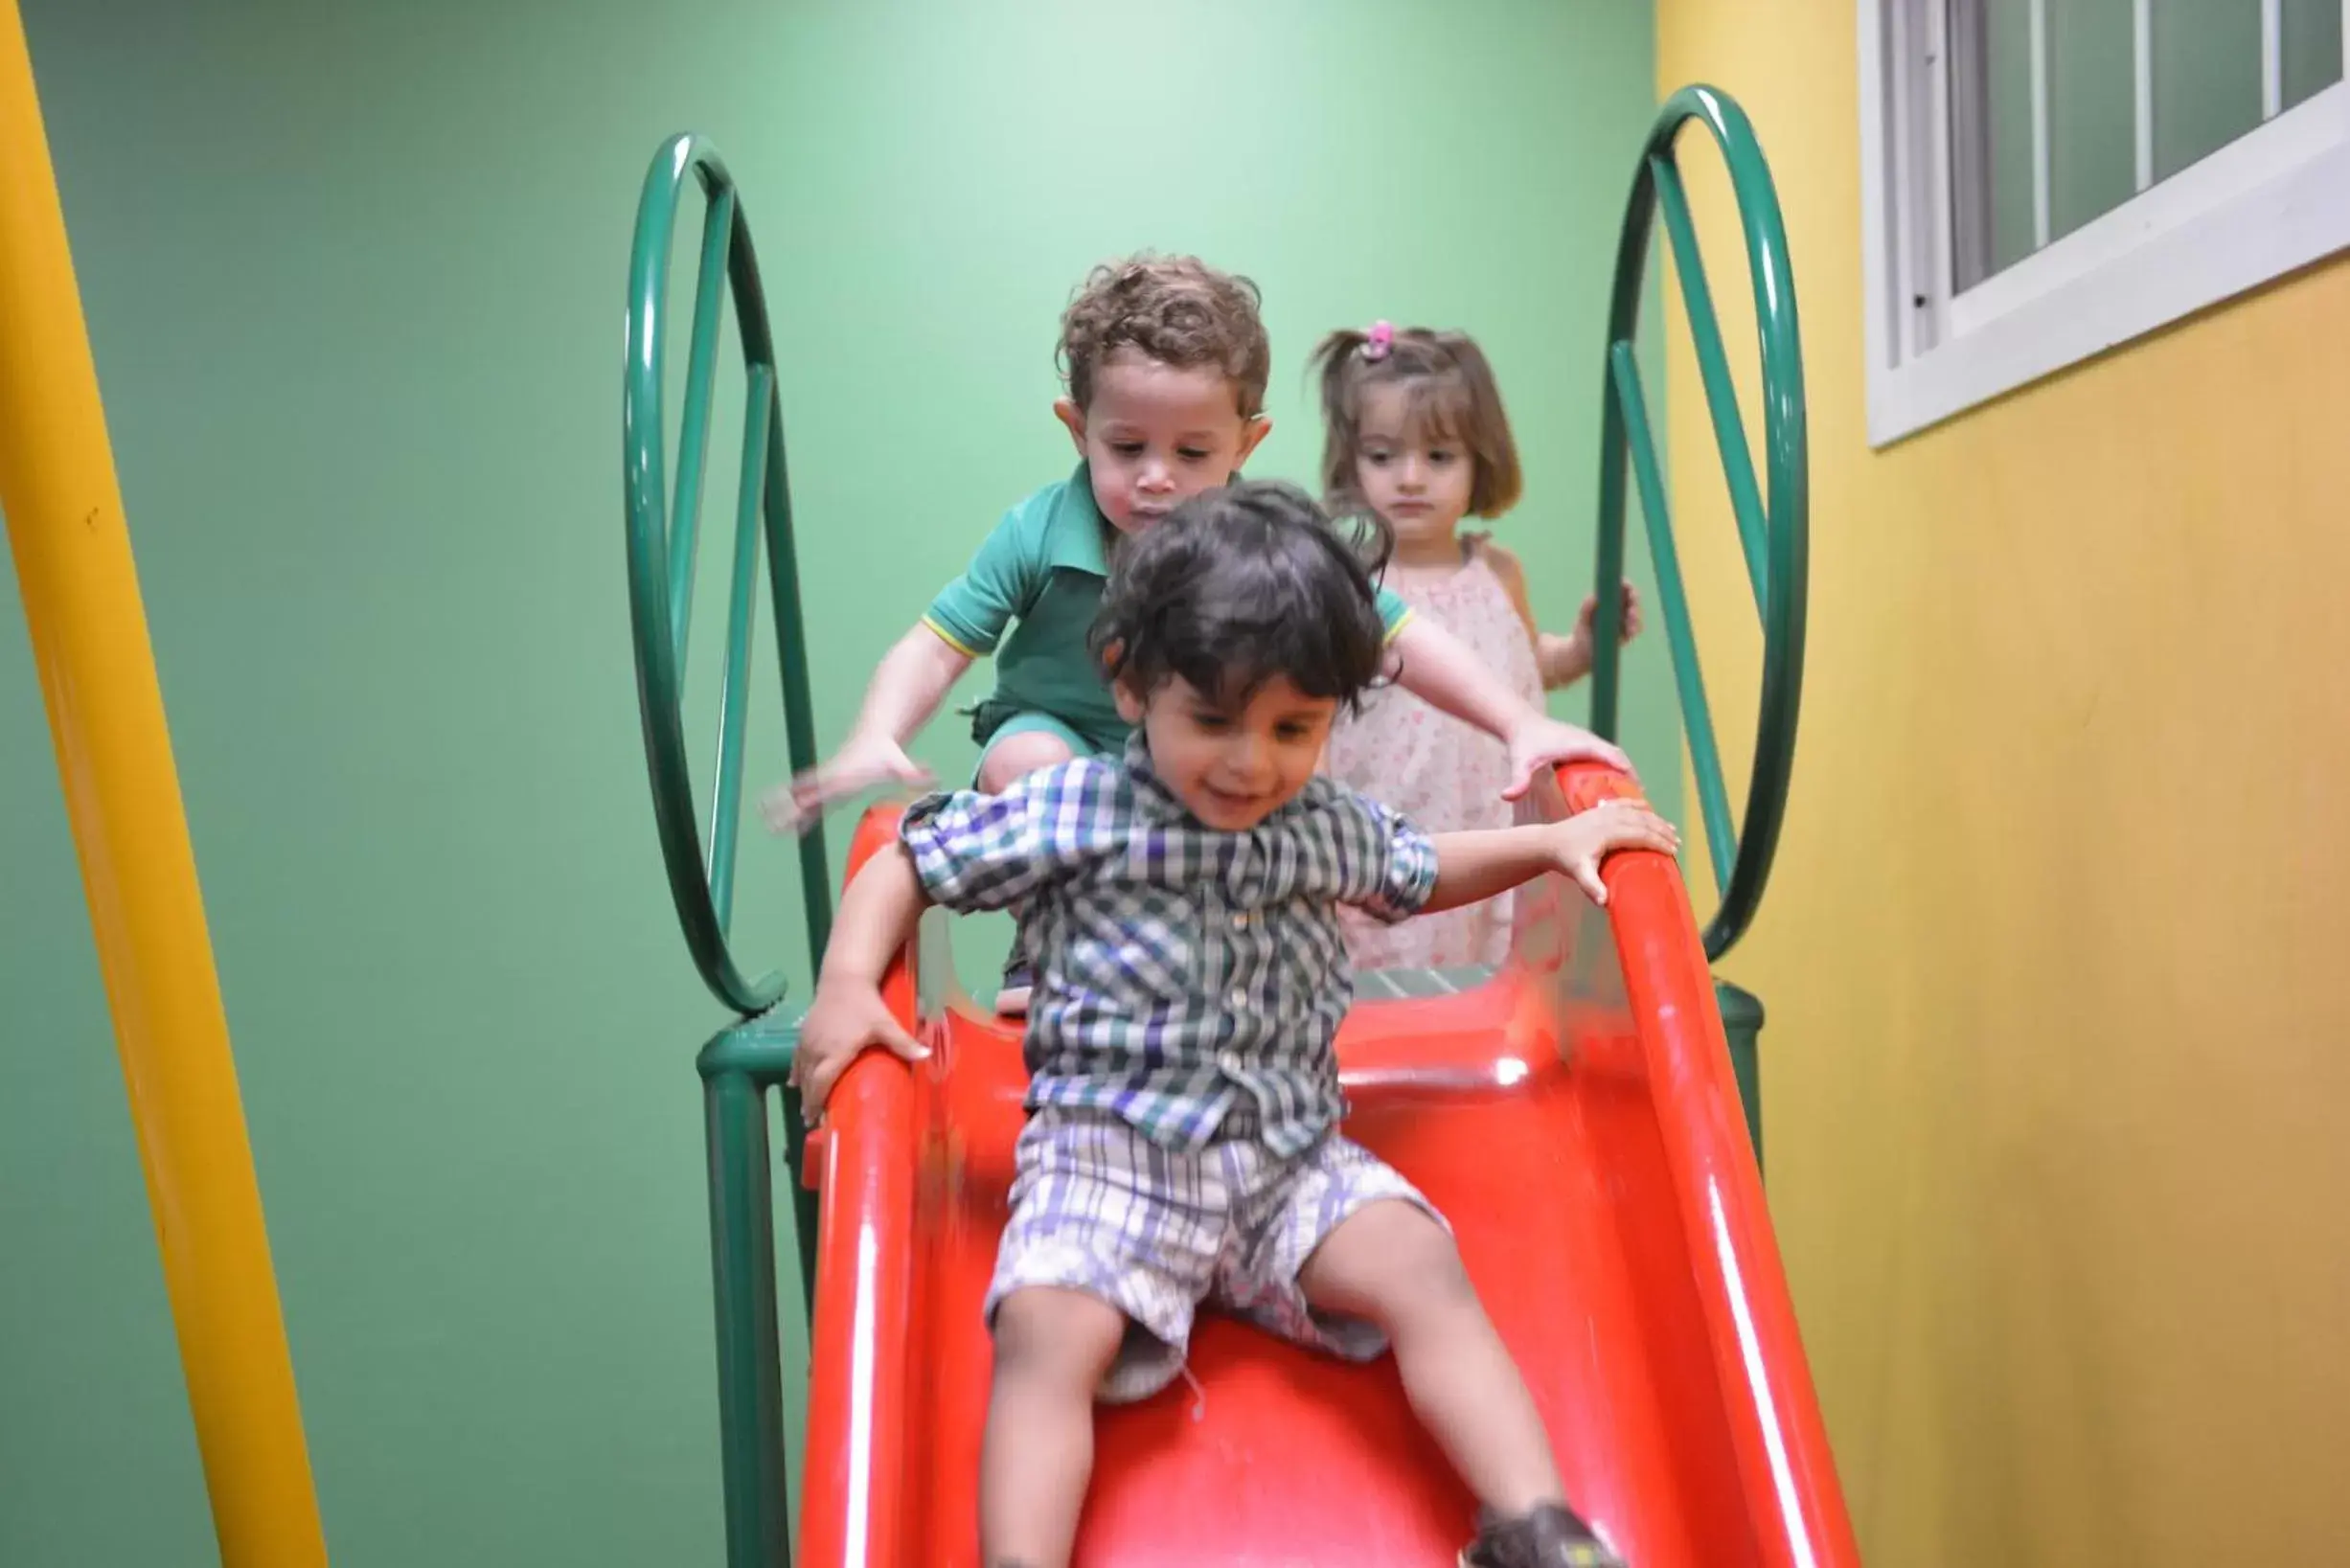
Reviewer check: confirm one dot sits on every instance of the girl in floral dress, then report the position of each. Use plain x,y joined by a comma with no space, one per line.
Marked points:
1416,433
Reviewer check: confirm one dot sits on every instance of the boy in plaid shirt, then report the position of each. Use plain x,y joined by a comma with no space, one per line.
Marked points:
1183,1143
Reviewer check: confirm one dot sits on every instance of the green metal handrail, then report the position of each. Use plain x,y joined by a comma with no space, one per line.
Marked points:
746,1062
1772,532
661,542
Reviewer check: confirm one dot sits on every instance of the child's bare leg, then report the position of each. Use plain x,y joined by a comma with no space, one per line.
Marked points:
1051,1348
1392,1265
1015,757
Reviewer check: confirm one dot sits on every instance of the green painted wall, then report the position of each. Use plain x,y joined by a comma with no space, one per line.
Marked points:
354,277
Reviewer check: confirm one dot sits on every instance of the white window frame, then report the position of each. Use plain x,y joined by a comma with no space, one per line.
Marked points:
2270,202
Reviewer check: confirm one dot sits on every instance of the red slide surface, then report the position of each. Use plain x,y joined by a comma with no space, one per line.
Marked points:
1576,1120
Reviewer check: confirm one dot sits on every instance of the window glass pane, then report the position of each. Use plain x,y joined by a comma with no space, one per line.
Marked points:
2313,47
2207,77
2092,111
2007,90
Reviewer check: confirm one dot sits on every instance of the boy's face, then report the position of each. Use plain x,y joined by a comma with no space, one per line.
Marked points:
1232,766
1155,436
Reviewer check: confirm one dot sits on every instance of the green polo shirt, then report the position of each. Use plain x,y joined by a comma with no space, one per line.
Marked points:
1040,573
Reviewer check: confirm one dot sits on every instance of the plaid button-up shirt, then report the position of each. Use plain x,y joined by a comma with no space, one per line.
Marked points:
1183,973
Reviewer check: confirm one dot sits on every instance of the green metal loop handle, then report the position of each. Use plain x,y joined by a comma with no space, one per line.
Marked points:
1772,517
661,545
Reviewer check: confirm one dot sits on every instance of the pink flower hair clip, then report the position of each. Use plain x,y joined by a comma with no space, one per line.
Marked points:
1377,340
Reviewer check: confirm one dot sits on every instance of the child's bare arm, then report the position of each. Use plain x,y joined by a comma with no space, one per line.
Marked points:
911,681
1511,573
1441,672
846,1015
1563,660
1473,866
907,687
877,915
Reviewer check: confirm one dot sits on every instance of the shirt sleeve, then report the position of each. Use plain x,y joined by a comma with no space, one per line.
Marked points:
973,852
1393,615
971,612
1388,865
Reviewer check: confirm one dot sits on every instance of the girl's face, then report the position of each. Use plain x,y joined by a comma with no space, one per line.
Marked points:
1418,479
1155,435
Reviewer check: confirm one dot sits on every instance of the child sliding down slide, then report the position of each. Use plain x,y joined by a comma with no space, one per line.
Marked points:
1183,1144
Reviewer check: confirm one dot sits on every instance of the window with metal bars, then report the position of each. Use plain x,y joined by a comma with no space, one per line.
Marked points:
2045,179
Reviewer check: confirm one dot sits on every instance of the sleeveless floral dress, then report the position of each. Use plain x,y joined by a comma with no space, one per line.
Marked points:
1446,775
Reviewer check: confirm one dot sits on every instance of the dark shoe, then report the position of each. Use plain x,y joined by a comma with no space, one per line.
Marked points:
1551,1536
1020,979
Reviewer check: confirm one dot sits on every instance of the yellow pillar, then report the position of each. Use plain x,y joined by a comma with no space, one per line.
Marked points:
81,590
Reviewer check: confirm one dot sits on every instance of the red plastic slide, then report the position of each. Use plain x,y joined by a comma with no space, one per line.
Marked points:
1576,1120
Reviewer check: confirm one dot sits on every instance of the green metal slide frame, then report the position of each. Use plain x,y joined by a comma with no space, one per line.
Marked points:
1773,517
744,1063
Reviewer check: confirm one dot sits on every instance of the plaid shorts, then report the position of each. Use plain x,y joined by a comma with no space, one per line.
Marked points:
1155,1231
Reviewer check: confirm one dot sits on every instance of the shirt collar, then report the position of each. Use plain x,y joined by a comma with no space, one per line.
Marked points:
1148,787
1078,535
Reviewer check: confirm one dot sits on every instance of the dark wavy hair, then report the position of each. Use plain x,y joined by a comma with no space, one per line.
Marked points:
1241,584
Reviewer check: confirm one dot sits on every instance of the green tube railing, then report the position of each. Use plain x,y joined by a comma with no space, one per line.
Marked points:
749,1060
661,539
1772,516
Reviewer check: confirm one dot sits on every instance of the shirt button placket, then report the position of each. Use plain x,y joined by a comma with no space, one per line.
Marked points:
1233,932
1236,999
1241,944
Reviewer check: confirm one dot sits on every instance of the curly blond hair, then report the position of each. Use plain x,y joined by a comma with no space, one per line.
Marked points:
1178,310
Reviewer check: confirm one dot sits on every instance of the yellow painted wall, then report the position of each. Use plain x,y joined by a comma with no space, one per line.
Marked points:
2058,951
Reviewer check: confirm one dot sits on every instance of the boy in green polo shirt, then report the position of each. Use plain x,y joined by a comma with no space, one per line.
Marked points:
1165,361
